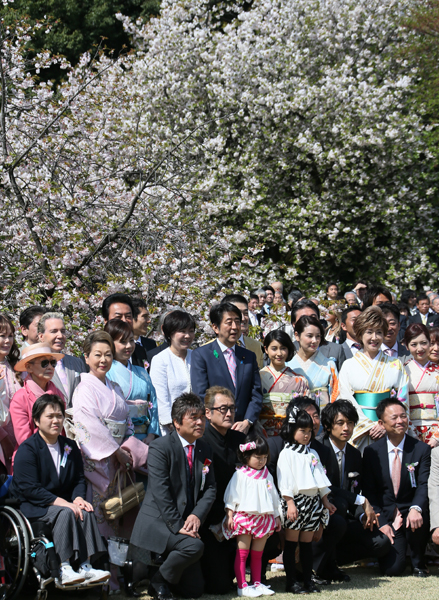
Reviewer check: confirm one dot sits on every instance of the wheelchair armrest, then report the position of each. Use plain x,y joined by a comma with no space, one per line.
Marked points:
42,529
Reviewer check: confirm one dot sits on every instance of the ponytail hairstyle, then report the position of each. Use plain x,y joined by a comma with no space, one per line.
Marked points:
295,419
253,444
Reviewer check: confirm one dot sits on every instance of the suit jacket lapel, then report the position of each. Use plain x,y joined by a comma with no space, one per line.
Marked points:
198,468
222,364
180,456
407,452
384,459
240,355
336,472
57,383
46,459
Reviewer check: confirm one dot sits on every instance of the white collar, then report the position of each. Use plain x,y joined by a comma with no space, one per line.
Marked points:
223,348
241,339
391,447
350,342
394,347
334,447
184,442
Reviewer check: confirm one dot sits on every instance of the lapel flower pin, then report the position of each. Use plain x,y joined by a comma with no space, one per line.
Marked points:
314,463
67,450
215,353
353,474
411,470
204,472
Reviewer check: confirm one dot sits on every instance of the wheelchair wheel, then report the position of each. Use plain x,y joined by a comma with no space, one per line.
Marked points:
16,550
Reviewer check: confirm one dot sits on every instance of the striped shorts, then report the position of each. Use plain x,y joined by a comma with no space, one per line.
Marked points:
257,526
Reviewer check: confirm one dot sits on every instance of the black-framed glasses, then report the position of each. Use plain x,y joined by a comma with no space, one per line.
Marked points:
225,409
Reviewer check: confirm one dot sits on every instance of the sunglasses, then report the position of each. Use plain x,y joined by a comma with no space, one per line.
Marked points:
45,362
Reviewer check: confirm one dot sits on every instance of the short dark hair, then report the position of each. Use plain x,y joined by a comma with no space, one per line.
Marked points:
137,304
186,403
302,421
328,285
118,329
254,297
331,410
348,310
29,314
375,291
232,298
413,331
389,307
268,288
363,281
115,299
218,311
277,335
406,295
305,303
422,296
261,449
47,400
302,402
383,404
177,320
295,295
403,306
307,320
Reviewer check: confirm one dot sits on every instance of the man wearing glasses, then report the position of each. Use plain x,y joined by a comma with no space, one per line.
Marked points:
217,561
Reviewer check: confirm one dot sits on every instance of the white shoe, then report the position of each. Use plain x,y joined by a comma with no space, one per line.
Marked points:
70,577
265,589
93,575
249,591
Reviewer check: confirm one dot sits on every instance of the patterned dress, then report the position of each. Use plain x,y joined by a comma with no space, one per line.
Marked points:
424,399
253,497
301,476
321,374
278,388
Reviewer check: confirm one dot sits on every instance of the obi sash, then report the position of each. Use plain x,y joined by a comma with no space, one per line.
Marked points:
368,401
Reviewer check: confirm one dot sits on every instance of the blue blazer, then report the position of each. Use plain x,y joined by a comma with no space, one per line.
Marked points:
209,368
36,483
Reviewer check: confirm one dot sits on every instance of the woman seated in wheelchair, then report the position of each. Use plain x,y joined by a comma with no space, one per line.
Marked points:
50,484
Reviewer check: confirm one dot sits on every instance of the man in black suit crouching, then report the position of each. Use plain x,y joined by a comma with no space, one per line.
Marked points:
345,470
395,480
181,490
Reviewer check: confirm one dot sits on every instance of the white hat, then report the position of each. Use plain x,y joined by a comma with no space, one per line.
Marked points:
34,351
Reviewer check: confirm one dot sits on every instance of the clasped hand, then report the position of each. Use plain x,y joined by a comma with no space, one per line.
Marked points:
191,527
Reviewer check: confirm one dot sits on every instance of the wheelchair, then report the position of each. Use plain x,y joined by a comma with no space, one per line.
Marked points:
20,544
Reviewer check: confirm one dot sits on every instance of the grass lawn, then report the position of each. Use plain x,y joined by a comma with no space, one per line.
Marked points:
365,584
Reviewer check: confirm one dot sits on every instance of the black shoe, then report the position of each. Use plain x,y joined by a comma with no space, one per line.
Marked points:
420,572
319,580
160,591
311,588
339,576
295,588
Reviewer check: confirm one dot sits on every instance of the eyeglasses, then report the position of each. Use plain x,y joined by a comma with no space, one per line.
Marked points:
46,362
225,409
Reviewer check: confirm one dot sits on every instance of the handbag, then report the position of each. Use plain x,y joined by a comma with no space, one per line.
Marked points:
130,497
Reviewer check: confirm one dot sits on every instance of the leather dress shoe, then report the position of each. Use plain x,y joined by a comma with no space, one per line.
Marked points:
160,591
339,576
295,588
319,580
311,588
420,572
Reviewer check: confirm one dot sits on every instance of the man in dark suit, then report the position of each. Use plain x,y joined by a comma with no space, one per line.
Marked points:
391,346
395,480
348,316
345,469
225,363
141,323
325,568
424,316
328,349
181,491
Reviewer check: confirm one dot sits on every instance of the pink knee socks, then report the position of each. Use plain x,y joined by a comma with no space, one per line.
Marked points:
240,560
256,565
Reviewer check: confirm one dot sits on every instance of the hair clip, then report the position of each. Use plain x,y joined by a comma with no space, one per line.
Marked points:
247,446
293,414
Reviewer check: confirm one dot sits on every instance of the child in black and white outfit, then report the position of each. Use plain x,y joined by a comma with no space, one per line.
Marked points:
304,488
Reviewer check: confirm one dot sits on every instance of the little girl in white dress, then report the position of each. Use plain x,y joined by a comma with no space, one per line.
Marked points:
304,488
251,503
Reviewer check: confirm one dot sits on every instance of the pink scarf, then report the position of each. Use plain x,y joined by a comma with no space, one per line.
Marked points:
11,382
35,389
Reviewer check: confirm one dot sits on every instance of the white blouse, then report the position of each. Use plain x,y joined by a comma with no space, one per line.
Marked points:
171,377
295,474
250,495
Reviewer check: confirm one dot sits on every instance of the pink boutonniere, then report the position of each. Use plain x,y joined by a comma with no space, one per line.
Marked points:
204,472
145,364
411,470
314,463
67,450
269,486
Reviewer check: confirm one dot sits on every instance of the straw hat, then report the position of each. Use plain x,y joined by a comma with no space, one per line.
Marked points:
35,351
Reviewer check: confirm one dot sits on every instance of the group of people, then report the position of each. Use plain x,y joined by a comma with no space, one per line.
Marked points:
263,440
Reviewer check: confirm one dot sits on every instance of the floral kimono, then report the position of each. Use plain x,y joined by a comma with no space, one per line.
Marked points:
424,399
278,389
101,420
321,374
365,382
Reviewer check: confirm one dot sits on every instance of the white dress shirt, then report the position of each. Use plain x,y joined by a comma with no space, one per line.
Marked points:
186,444
391,453
350,343
394,350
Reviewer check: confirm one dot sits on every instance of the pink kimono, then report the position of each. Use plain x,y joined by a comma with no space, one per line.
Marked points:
101,421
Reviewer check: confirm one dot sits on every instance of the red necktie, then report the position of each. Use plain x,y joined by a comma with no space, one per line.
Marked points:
190,450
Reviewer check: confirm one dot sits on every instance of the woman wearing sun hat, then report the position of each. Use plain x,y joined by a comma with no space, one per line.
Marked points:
39,361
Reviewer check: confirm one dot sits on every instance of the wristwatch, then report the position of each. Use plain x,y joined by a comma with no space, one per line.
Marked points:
249,422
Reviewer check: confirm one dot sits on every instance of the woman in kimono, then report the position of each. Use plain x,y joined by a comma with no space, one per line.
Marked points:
134,382
102,423
423,385
319,371
370,376
279,383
